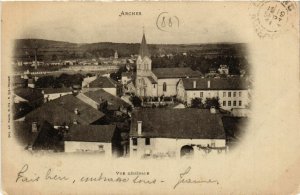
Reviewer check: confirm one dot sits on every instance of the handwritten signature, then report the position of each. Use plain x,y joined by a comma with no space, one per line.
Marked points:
184,180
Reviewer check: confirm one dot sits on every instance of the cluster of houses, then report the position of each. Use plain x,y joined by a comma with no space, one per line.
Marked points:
95,117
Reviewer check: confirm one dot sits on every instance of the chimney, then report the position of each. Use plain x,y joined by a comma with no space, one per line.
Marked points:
194,84
208,84
76,111
139,128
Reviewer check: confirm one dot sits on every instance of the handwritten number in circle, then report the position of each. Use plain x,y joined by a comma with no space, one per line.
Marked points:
163,24
170,22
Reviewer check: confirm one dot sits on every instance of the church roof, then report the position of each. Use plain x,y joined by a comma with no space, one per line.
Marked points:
175,73
144,48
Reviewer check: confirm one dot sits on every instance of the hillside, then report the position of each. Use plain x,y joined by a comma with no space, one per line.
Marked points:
54,50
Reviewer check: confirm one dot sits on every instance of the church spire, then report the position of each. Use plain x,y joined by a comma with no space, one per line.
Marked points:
144,48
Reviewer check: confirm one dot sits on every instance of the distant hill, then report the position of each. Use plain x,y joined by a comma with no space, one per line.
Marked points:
53,50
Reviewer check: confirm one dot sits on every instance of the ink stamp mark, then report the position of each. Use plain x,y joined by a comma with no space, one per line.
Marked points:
167,22
271,17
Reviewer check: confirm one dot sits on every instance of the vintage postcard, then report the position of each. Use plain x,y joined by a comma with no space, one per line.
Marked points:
150,97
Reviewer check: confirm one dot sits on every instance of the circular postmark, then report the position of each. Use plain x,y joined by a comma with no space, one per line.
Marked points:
271,17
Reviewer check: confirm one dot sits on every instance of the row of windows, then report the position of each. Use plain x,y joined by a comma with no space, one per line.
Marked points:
224,94
134,141
233,94
233,102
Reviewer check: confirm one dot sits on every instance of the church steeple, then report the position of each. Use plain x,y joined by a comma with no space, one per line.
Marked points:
144,48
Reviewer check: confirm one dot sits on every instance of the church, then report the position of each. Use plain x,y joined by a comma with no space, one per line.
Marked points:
156,82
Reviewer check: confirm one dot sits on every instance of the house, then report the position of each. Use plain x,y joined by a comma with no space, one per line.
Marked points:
104,101
47,138
129,88
25,100
232,92
53,93
166,133
105,83
158,82
33,97
17,81
65,112
100,139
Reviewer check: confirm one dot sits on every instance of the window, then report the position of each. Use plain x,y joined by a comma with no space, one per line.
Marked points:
234,103
224,103
240,94
224,94
134,141
229,103
229,94
240,103
147,141
213,143
154,86
234,94
100,147
201,94
165,86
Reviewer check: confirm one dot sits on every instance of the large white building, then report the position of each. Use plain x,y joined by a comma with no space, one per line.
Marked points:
165,133
154,82
232,92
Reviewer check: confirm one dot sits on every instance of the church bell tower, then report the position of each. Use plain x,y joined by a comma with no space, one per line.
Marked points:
143,68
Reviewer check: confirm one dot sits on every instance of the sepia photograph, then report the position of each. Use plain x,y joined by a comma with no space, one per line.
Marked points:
139,94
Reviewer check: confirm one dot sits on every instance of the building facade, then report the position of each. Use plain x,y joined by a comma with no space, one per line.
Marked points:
54,93
90,138
232,92
154,134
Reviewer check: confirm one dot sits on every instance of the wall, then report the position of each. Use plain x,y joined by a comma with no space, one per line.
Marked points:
112,90
53,96
171,146
75,146
191,94
171,86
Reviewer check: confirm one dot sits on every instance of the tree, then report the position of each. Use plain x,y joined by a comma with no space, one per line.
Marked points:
45,82
196,103
54,57
136,101
118,75
212,102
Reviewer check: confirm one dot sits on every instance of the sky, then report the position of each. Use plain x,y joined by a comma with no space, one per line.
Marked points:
101,22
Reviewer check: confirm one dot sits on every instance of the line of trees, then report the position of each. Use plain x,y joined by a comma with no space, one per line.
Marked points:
64,80
208,103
